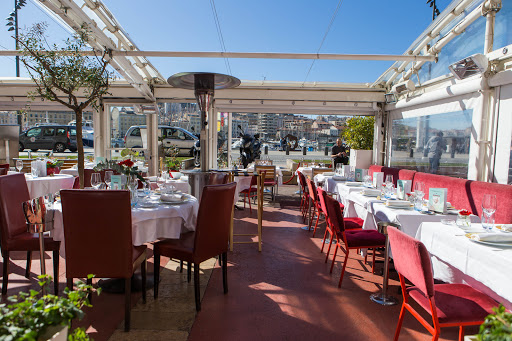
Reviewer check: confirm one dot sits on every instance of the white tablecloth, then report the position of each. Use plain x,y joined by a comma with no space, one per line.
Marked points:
456,259
180,185
343,191
40,186
329,183
148,224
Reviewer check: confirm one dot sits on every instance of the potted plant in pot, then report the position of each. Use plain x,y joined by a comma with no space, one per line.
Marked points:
38,316
359,137
496,327
172,162
53,167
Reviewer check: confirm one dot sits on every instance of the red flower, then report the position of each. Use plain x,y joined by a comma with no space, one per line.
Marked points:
465,212
127,163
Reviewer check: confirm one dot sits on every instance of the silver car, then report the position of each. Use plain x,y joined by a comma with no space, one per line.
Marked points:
176,136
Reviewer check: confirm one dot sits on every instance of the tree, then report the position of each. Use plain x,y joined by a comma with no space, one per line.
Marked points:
66,75
359,132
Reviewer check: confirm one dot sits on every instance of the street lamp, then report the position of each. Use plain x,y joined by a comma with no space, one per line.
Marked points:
12,23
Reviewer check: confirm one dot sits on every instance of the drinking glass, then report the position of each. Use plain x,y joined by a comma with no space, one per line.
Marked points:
367,181
19,165
419,191
489,206
95,180
147,188
108,178
389,179
133,182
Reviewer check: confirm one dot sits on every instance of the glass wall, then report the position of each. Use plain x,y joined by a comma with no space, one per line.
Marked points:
437,144
124,127
503,26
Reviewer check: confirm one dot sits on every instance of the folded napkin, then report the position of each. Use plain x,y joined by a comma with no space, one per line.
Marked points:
371,191
506,227
492,237
173,197
398,203
352,183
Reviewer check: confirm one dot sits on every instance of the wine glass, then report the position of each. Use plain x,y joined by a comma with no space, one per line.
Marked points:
489,206
146,186
108,178
419,191
95,180
19,165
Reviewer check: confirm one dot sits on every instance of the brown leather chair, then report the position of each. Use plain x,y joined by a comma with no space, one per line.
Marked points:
13,228
210,238
98,237
218,178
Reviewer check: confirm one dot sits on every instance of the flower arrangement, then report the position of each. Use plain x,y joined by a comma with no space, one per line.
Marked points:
464,219
465,213
126,167
35,315
53,166
172,162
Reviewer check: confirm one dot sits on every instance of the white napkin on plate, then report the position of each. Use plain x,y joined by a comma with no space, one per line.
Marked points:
172,197
506,227
371,191
352,183
398,203
492,237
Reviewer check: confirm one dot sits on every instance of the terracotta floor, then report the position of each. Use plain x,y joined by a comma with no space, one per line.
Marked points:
283,293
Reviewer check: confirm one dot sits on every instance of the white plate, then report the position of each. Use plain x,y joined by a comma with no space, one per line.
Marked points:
149,204
468,236
353,184
501,229
369,195
400,206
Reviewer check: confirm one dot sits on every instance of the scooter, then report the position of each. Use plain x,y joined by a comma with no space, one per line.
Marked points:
250,148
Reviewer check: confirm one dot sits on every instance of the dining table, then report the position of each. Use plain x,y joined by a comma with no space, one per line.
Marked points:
152,219
455,258
44,185
328,182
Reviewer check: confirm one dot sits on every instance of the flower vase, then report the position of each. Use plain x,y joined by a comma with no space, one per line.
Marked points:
51,171
463,221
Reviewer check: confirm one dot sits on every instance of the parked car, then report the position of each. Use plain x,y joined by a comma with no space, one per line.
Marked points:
56,137
176,136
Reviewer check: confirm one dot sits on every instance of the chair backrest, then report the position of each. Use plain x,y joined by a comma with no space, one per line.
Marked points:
321,198
412,260
270,171
316,171
218,178
13,193
312,190
302,180
3,171
213,221
335,214
97,233
5,166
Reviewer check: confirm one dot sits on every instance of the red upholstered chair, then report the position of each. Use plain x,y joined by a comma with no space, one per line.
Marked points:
5,166
3,171
218,178
350,223
98,236
210,238
252,191
317,209
13,228
352,239
304,202
449,304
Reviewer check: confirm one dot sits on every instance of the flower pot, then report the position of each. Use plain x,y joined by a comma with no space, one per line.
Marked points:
55,333
52,171
360,158
463,221
175,175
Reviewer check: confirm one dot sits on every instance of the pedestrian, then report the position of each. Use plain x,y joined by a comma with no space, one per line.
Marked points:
436,145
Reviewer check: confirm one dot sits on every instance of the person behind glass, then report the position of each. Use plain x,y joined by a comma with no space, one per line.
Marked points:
339,153
436,145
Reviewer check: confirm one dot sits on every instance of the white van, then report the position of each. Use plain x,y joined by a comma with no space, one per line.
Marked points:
176,136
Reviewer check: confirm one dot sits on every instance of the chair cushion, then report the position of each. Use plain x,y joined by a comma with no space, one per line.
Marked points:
456,303
359,238
353,223
30,242
181,249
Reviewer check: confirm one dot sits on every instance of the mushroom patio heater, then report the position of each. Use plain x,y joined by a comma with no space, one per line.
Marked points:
204,85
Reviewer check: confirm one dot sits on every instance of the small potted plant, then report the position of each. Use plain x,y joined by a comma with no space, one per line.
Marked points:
38,316
496,327
464,219
53,167
172,162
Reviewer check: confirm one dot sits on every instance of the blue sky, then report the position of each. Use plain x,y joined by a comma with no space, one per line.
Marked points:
366,27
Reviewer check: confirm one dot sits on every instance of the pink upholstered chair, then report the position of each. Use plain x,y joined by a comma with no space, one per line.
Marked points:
449,304
304,202
352,239
350,223
317,209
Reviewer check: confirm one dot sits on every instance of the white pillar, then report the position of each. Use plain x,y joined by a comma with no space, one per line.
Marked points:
100,119
230,137
152,143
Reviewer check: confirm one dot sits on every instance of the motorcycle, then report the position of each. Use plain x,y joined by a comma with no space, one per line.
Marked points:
250,148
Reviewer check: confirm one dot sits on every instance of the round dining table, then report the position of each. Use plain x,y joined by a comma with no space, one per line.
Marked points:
44,185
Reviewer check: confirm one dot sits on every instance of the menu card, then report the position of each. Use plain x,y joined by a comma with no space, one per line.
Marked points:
403,187
360,174
115,182
437,199
378,179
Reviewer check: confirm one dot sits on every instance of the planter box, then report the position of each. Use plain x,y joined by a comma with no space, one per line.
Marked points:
470,338
361,158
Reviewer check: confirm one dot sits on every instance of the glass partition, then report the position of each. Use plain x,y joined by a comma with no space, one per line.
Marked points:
437,144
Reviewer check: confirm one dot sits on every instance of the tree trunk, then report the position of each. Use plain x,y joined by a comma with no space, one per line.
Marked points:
80,146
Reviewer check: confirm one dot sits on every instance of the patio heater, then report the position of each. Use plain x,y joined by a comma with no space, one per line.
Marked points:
204,85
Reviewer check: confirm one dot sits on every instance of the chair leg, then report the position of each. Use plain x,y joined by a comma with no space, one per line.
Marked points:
197,288
343,269
333,257
88,281
181,266
249,200
329,247
29,263
225,271
69,283
143,272
127,303
312,214
323,240
156,272
316,225
461,333
373,260
56,272
189,271
5,278
244,201
399,325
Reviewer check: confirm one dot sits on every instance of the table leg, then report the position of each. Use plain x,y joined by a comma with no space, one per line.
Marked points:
383,298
